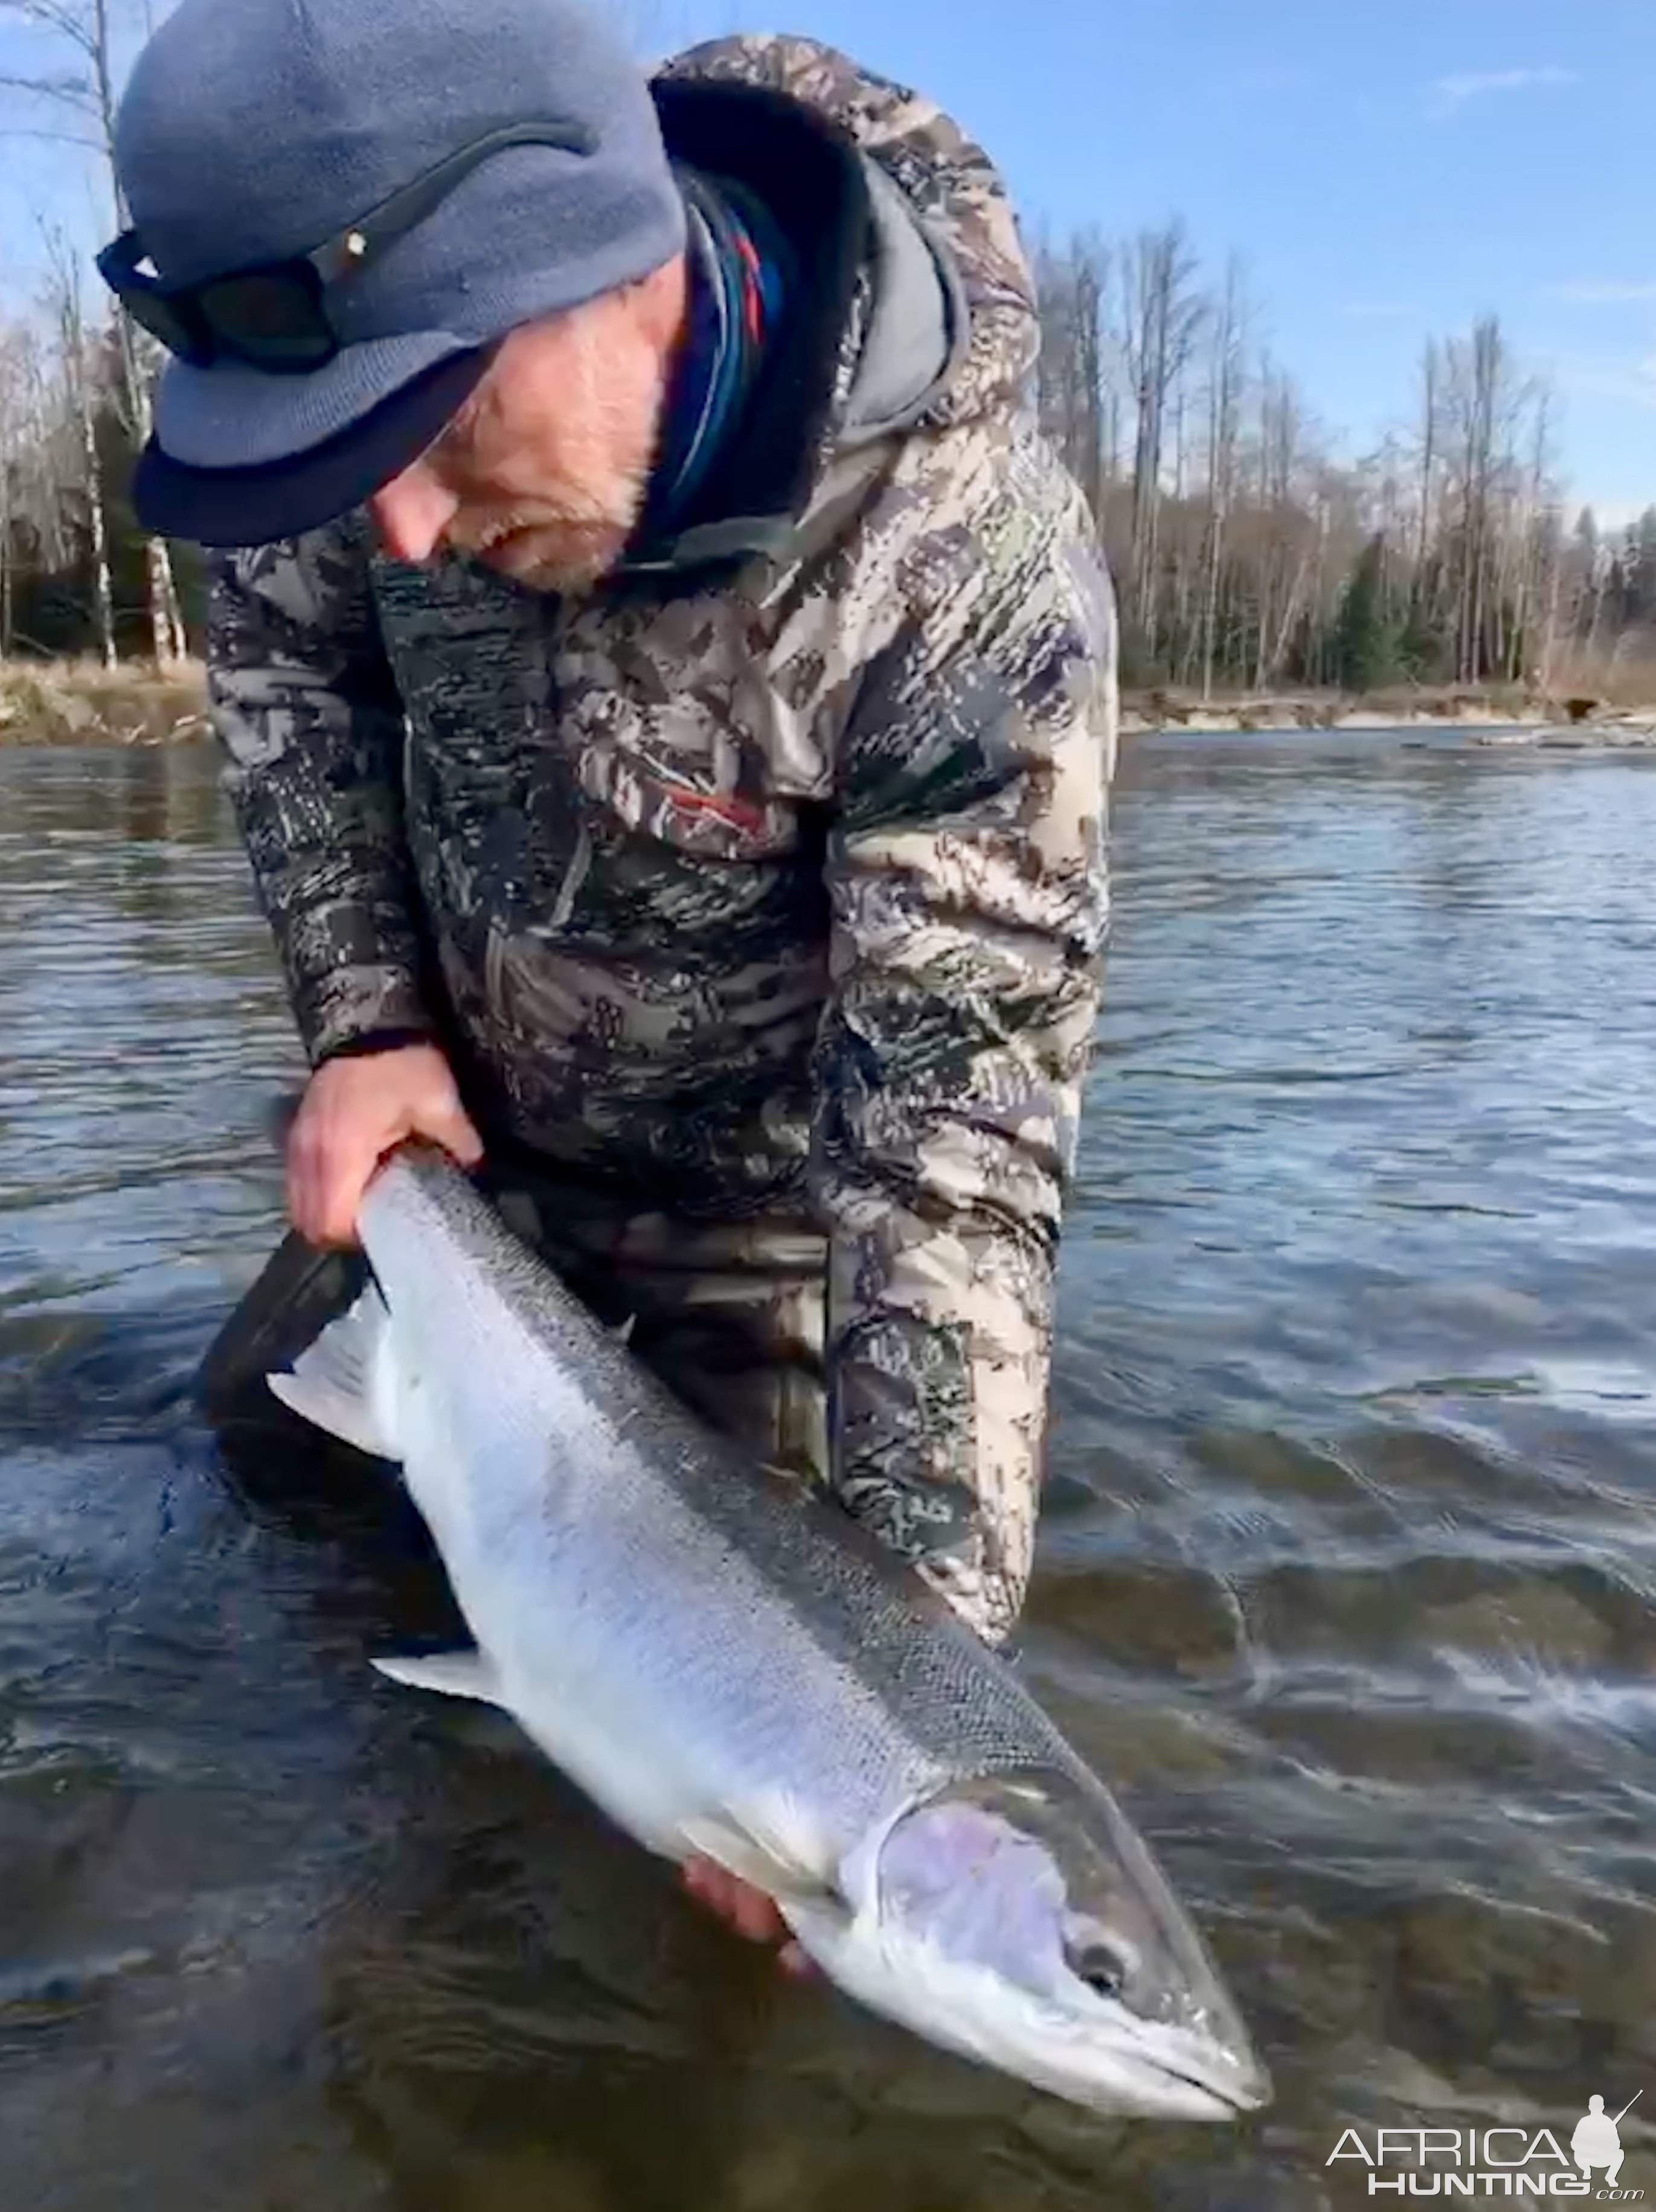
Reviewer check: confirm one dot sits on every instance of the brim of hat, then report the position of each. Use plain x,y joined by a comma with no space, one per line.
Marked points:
302,491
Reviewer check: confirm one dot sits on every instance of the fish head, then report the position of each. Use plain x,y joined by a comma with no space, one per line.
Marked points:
1018,1918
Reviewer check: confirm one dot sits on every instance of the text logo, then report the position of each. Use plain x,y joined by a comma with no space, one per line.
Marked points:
1494,2162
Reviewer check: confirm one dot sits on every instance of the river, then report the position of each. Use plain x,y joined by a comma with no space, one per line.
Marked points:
1348,1574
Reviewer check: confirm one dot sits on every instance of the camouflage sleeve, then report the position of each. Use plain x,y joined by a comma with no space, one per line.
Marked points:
969,898
305,706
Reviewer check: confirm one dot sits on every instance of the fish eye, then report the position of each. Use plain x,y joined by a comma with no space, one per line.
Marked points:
1102,1969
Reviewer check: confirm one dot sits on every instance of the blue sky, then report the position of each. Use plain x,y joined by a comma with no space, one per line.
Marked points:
1387,171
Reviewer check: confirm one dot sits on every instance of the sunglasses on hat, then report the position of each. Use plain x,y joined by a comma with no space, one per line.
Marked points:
281,316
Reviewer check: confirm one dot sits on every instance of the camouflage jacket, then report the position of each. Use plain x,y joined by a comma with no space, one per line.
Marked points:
773,872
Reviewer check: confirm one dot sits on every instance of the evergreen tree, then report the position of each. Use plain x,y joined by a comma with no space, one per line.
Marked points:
1365,644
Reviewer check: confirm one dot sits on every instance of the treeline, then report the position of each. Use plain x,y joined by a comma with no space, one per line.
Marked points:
76,379
77,574
1250,554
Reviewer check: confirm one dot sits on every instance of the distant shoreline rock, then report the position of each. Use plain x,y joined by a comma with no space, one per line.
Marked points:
1621,733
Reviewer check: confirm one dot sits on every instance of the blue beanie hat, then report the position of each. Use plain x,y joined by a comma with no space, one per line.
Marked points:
251,130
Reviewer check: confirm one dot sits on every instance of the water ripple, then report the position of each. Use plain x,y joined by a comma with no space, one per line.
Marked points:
1348,1572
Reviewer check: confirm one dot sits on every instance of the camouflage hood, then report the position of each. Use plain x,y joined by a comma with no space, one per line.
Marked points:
921,312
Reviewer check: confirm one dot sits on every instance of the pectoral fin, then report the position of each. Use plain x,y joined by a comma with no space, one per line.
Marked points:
331,1383
770,1851
450,1673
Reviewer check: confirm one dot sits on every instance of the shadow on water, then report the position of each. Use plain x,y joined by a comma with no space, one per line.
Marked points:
1348,1576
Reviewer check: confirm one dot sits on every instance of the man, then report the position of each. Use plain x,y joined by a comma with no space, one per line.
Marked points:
668,691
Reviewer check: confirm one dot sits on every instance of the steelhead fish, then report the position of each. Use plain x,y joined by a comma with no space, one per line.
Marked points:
730,1668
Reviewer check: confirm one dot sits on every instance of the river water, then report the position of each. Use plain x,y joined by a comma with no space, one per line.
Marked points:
1348,1576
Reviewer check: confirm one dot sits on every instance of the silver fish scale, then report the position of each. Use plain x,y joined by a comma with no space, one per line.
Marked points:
953,1701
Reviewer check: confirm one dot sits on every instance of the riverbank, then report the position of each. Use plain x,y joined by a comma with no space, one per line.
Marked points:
83,702
1494,707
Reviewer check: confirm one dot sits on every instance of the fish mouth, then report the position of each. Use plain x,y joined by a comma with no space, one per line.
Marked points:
1228,2089
1222,2071
1119,2064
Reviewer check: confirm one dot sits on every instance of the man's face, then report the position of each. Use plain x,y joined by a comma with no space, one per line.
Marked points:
543,474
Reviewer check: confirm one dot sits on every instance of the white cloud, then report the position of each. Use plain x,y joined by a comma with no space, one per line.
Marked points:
1600,295
1451,94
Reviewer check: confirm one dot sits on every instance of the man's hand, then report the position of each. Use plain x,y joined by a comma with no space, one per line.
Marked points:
749,1910
354,1112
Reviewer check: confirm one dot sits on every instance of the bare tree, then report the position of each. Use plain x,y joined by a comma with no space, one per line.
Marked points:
49,458
78,379
19,435
85,92
1430,401
1163,319
1474,389
1073,369
1225,378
